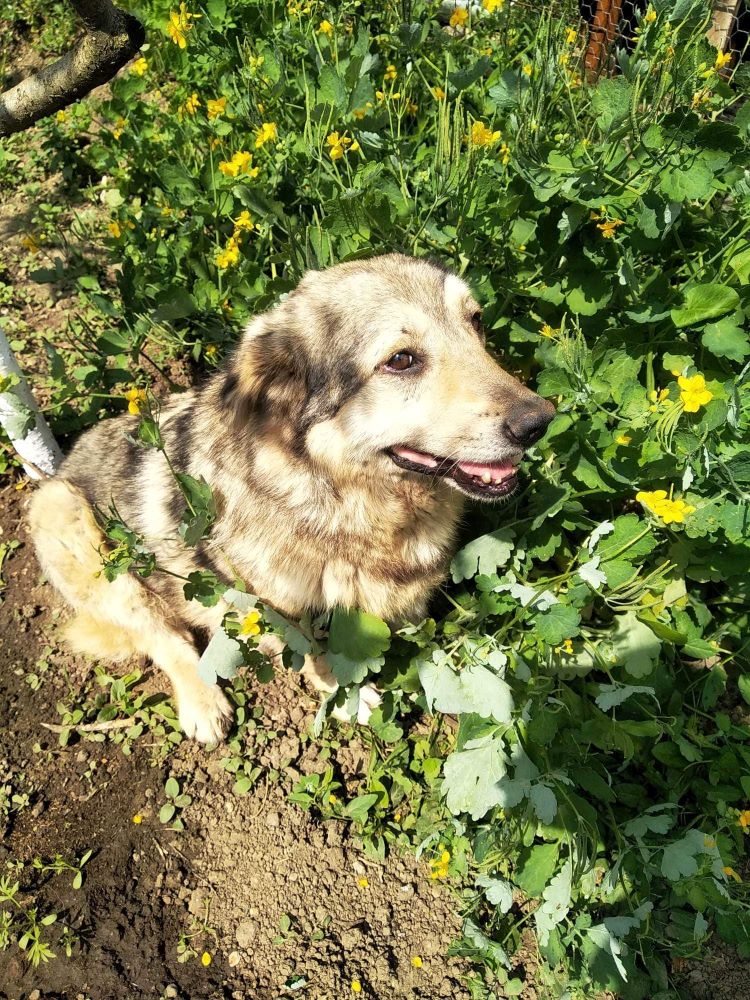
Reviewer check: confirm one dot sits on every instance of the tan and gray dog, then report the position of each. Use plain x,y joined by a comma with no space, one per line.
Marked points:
340,441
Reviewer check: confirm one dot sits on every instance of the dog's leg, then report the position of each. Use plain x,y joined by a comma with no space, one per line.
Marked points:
317,671
123,617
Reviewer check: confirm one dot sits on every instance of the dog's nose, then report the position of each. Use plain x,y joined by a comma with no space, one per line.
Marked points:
526,424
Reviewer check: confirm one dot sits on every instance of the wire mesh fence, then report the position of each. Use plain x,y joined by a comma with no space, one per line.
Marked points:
611,22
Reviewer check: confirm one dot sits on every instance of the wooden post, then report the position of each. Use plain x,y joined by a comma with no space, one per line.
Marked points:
602,32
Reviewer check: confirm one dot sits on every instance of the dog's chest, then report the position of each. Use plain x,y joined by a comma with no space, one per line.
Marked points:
381,559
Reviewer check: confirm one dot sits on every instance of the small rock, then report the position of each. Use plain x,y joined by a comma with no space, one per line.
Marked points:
272,819
170,991
195,906
246,933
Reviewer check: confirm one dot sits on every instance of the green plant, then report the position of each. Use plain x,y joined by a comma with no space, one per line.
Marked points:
176,802
591,644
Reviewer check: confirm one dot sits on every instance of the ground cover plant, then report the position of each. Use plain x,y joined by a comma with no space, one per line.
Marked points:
591,643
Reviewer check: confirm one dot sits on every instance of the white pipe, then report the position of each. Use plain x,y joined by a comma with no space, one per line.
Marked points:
23,423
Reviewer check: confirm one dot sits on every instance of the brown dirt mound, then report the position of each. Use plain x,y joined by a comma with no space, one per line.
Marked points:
258,859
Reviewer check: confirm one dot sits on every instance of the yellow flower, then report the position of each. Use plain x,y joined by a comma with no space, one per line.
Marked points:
230,255
658,398
480,135
333,799
669,511
216,107
325,28
356,986
623,439
61,117
338,144
416,961
693,392
650,16
744,819
411,107
438,93
359,113
363,882
241,163
549,331
119,128
440,865
139,67
244,222
722,58
192,103
492,5
732,873
255,62
609,227
266,133
114,229
459,17
570,35
390,72
30,243
206,959
250,624
138,819
180,24
527,69
211,350
137,399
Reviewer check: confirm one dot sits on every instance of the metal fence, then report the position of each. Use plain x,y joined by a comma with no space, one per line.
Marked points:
611,22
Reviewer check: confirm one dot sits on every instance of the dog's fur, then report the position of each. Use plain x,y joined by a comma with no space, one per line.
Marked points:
292,434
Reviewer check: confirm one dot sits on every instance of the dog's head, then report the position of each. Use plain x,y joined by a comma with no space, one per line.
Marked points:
378,367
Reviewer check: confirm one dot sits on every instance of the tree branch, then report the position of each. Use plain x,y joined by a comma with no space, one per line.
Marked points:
112,37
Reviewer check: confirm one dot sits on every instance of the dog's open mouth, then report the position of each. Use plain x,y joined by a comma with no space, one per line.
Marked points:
486,481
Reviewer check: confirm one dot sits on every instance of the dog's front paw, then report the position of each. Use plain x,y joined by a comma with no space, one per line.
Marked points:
369,699
205,714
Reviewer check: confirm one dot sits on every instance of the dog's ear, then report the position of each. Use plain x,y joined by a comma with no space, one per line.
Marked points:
266,375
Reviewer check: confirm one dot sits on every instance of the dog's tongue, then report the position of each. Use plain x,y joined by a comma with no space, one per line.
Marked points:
497,470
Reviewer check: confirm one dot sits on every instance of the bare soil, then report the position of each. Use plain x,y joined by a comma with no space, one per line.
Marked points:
255,858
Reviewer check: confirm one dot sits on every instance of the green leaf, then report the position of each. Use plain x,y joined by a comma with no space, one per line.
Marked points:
611,695
691,182
634,645
726,340
221,658
171,788
544,802
498,892
743,683
358,808
534,868
704,302
483,555
610,102
471,777
358,635
554,909
331,88
347,671
560,622
475,689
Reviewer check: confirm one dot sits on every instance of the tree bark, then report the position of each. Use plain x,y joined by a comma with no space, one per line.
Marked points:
112,37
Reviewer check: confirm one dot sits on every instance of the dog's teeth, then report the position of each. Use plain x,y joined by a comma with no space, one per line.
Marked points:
486,478
497,481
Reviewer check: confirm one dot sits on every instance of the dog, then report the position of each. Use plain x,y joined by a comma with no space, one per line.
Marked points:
341,441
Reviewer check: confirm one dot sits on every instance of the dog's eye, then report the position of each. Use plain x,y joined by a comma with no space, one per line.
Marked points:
400,361
476,321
